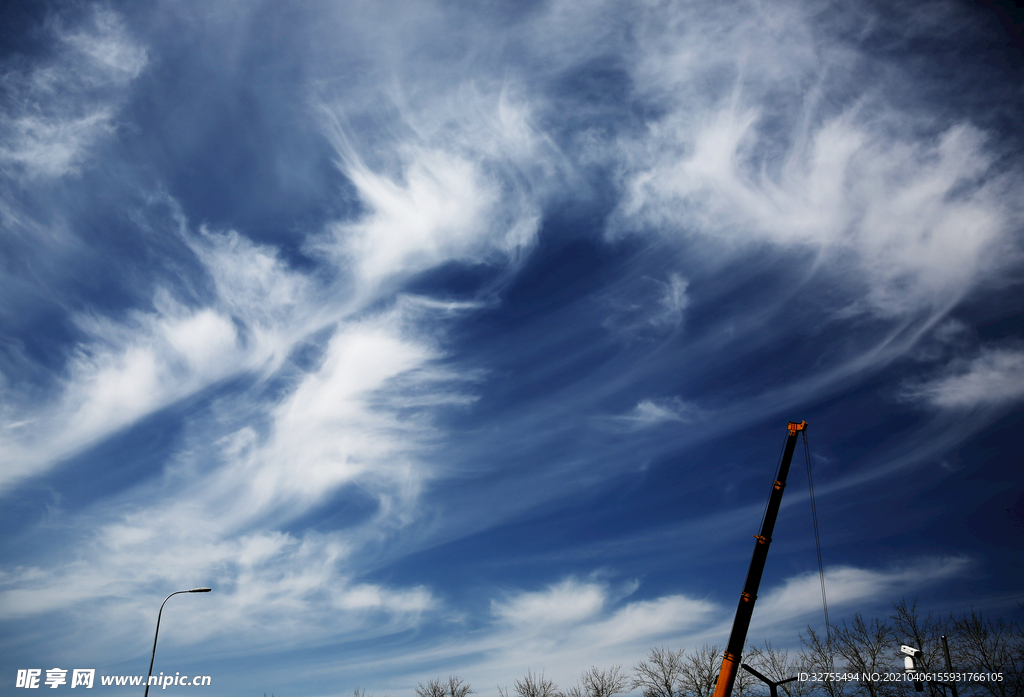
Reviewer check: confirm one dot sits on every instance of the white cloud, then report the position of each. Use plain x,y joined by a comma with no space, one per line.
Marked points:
111,55
645,621
465,179
574,624
849,587
66,106
565,603
130,368
438,213
299,587
913,224
654,412
995,377
674,301
335,428
467,185
212,515
647,308
756,145
570,626
255,285
211,518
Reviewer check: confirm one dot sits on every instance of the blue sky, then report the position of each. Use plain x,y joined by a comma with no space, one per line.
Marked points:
447,337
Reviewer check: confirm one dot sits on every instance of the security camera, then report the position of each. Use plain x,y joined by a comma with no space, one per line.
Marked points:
912,653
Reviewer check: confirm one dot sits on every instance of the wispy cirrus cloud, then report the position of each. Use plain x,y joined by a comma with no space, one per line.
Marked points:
467,183
655,412
567,602
215,514
850,587
992,378
56,111
658,159
921,222
299,586
780,149
127,369
568,626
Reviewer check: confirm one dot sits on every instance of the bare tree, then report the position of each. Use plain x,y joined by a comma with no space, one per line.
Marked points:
358,692
867,647
457,687
700,671
533,685
920,632
925,633
820,656
454,686
604,683
977,644
776,665
745,685
435,687
661,674
991,646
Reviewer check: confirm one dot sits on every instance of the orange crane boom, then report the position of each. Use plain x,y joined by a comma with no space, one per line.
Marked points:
738,637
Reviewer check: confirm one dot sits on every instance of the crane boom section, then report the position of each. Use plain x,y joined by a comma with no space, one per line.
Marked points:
745,610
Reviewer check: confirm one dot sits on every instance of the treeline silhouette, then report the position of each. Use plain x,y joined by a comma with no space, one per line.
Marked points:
980,646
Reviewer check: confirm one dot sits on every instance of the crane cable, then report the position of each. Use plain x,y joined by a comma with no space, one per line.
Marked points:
817,538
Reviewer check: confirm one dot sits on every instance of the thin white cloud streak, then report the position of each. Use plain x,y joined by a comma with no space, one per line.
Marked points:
131,368
849,587
299,587
648,308
573,624
562,630
993,378
60,109
567,602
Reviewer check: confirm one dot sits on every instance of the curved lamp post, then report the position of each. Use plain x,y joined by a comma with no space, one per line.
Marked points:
153,655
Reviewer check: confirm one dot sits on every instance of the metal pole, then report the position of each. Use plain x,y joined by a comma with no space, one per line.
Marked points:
773,685
949,664
157,634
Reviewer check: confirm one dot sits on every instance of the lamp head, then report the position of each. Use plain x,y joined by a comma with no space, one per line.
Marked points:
200,590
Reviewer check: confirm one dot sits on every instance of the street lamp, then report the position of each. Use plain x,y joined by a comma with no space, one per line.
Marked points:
773,685
153,655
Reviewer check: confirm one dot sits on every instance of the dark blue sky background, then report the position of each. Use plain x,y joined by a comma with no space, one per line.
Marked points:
461,337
